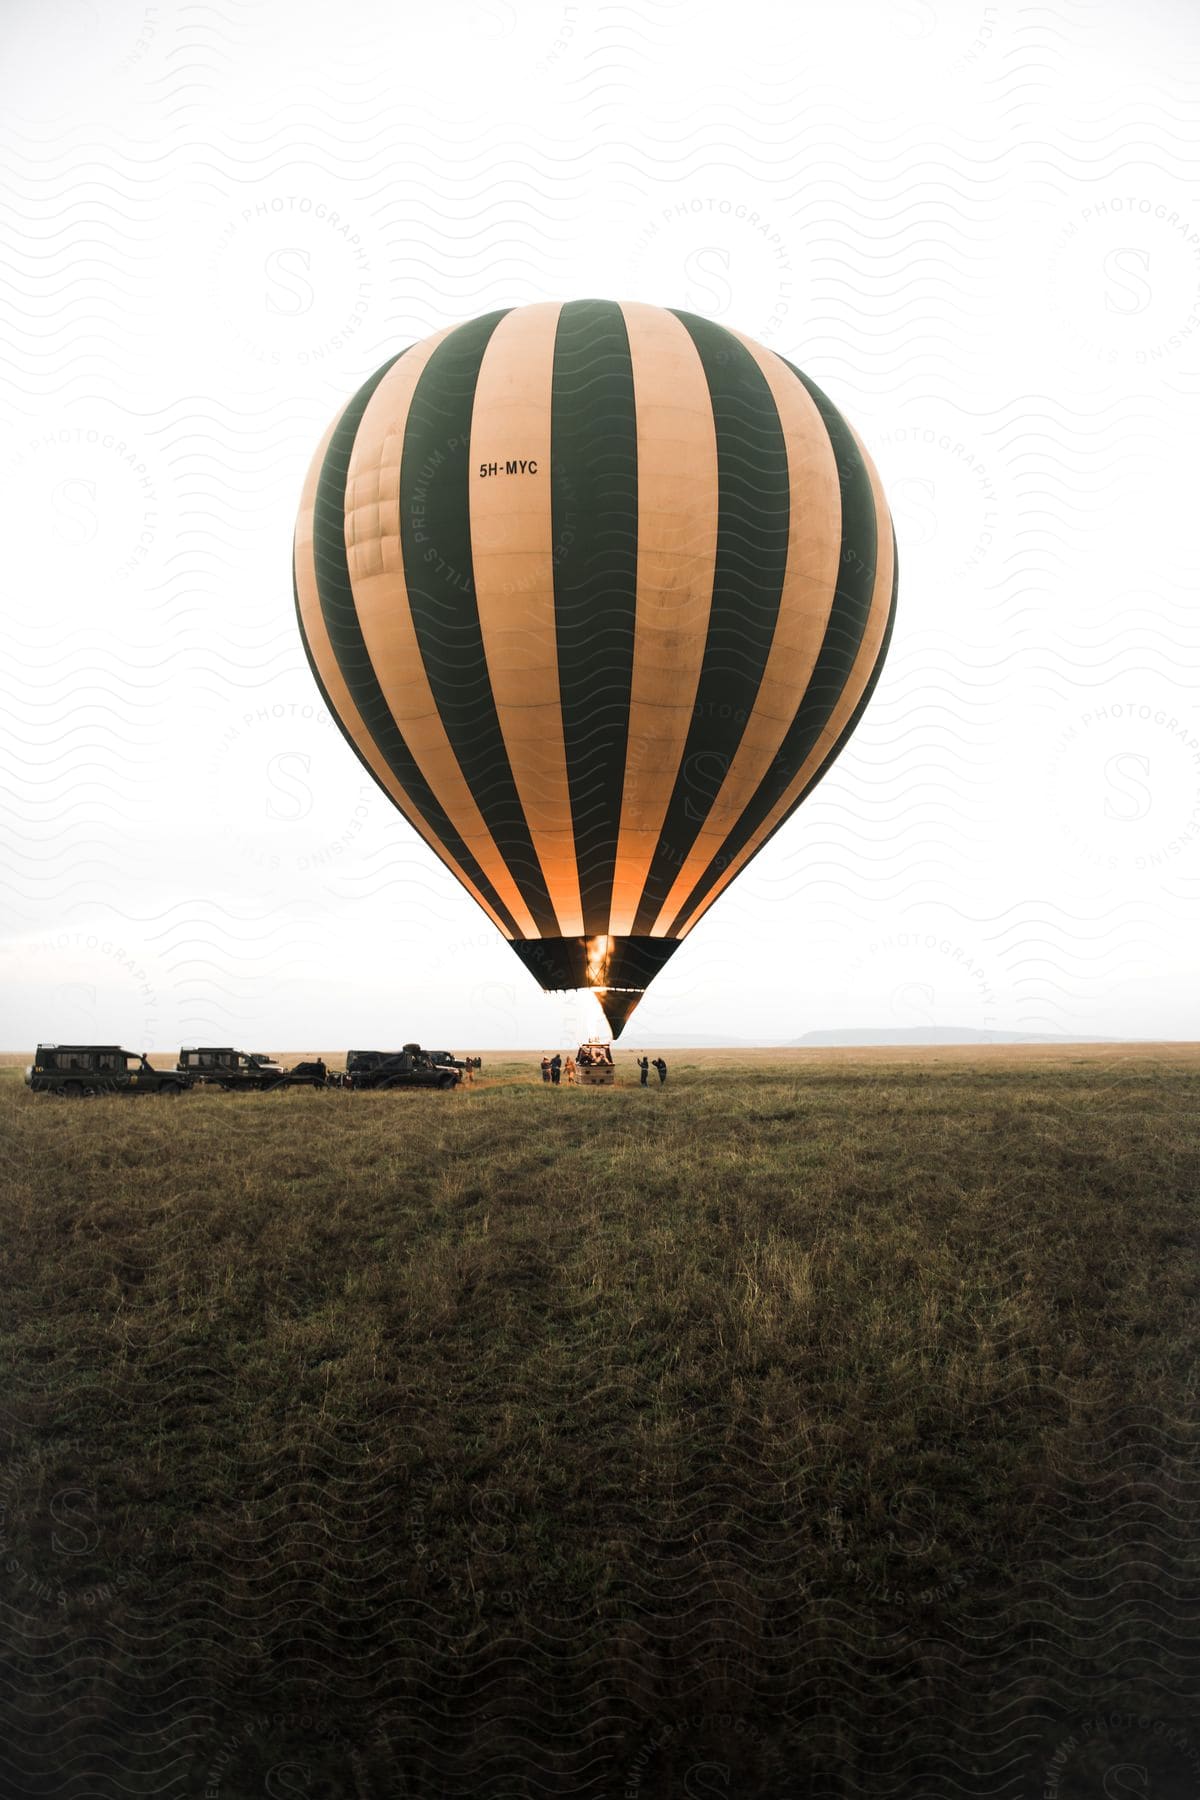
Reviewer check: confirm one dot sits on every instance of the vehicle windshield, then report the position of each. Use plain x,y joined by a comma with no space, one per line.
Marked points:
135,1062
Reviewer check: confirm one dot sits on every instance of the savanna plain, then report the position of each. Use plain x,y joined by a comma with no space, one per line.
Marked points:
820,1424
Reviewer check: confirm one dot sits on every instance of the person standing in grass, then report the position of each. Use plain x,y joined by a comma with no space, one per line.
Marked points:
569,1069
546,1068
556,1067
661,1066
644,1066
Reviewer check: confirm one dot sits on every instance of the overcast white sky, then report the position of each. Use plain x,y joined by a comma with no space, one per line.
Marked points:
976,226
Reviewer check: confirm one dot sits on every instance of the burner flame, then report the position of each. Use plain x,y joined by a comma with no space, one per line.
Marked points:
598,951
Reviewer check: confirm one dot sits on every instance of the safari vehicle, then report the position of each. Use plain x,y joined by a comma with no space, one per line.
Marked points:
247,1072
448,1061
84,1070
594,1065
409,1067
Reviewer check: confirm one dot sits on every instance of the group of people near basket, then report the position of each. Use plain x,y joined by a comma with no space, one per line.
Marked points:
555,1067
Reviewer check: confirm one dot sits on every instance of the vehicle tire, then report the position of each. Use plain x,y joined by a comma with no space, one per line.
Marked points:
170,1087
86,1091
447,1081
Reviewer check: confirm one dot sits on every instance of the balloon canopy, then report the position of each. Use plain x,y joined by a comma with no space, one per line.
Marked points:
597,592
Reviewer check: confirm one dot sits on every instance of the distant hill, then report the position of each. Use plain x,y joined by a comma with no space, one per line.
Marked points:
932,1034
632,1041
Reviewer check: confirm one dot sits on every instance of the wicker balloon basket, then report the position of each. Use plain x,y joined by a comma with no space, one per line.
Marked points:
595,1065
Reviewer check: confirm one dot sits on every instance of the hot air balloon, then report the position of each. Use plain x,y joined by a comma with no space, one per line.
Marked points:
597,592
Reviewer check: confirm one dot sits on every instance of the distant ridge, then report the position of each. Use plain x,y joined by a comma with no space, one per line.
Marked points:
632,1041
934,1034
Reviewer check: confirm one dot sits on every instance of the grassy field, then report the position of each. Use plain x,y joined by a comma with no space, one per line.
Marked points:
822,1424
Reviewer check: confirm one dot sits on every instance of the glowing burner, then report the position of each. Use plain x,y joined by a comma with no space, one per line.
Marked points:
617,970
599,954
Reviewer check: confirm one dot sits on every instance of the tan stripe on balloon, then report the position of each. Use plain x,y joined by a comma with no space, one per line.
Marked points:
676,562
860,674
385,615
806,599
512,554
321,650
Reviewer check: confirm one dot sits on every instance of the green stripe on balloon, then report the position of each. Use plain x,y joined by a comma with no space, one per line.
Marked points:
851,725
594,501
839,647
350,651
753,521
847,730
435,539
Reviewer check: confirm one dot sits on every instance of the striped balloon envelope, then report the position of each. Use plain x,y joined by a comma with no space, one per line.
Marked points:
597,593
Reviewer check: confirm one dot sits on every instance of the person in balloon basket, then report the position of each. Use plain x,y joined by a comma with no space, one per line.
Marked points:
556,1068
644,1066
661,1066
546,1068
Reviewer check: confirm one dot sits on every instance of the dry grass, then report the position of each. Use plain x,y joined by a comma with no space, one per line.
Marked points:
827,1419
